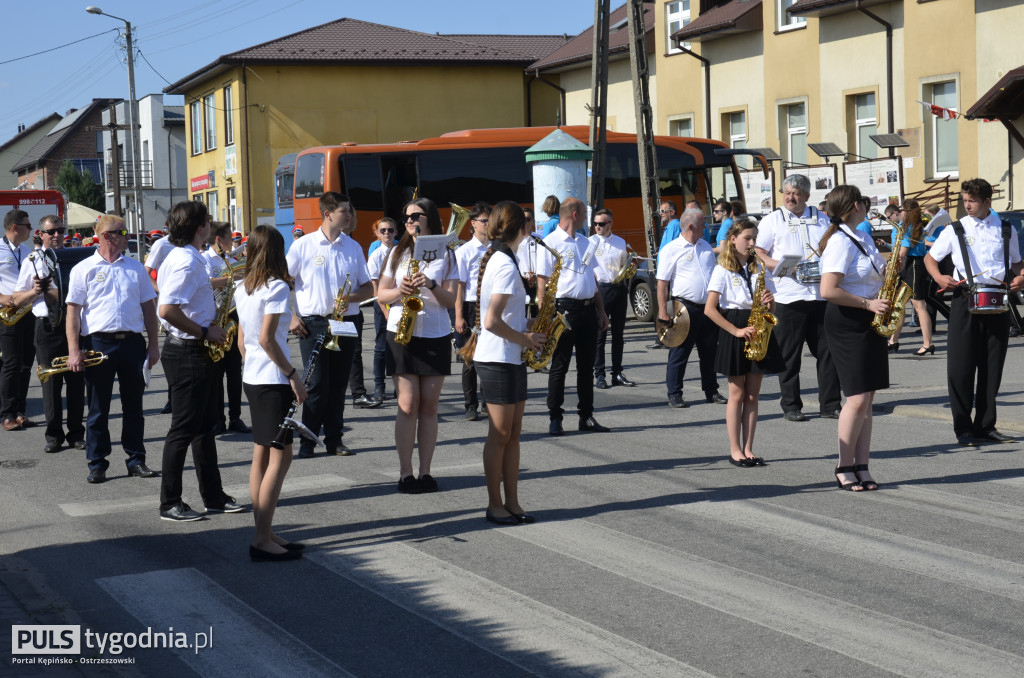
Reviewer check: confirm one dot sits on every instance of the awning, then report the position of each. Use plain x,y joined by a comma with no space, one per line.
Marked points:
80,216
738,16
1005,101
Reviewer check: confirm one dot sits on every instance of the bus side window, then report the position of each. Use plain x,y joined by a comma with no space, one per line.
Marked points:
362,174
309,176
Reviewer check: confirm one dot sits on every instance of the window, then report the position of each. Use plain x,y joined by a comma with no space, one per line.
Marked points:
94,166
794,133
866,122
736,124
943,137
365,188
681,127
229,121
210,118
309,176
677,15
211,205
788,21
232,208
195,115
488,174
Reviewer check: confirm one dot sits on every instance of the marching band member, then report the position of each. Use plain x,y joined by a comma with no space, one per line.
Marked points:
467,258
852,273
385,228
731,289
684,271
610,255
497,351
578,298
230,366
15,340
187,310
271,382
51,338
985,251
796,229
320,264
110,304
422,364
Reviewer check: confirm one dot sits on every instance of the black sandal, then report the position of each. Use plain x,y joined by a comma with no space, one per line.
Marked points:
854,486
866,484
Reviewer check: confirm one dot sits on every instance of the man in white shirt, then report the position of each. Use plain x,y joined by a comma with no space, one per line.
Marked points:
386,229
976,349
467,258
684,270
611,255
579,300
320,262
15,340
797,229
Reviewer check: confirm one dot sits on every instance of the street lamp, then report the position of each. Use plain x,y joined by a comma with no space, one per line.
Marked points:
133,122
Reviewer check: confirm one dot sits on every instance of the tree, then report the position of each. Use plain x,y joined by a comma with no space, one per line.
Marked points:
81,187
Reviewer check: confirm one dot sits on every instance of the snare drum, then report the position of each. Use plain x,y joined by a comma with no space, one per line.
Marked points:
808,272
987,299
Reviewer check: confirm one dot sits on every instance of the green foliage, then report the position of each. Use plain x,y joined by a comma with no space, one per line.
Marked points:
81,187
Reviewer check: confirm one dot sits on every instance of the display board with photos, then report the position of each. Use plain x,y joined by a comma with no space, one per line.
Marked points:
880,180
758,191
823,179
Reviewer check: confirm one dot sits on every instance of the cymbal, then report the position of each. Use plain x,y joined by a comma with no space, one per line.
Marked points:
675,334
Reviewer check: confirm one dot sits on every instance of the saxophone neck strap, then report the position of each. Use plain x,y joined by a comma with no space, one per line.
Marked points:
860,247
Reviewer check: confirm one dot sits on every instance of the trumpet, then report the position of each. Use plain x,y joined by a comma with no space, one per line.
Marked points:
59,365
340,306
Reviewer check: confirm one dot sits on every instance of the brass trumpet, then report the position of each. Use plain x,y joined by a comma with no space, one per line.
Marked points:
60,365
340,306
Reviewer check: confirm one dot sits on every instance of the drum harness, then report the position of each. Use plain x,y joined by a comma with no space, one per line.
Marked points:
958,229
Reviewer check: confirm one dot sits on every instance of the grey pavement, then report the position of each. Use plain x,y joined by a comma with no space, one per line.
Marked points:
652,556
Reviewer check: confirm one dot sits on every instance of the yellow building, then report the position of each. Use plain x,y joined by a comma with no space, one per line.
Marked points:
347,81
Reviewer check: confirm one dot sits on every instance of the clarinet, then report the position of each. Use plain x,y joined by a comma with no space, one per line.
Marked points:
290,423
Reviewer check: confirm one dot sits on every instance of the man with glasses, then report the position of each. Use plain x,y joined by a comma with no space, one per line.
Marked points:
110,304
467,258
15,340
669,223
41,284
611,255
320,264
797,228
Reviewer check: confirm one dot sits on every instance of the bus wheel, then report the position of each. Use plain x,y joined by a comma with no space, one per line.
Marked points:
643,302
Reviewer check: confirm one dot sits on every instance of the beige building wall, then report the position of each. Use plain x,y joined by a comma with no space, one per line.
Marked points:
737,84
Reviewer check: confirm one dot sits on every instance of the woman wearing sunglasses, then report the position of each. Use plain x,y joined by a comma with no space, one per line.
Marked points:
421,365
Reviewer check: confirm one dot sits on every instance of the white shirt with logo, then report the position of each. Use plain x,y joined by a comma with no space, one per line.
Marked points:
688,266
734,289
984,238
779,234
610,256
111,294
467,257
862,275
320,266
433,320
576,279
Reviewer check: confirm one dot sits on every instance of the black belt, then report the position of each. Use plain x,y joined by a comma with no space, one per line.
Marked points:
573,303
178,341
687,301
114,336
611,284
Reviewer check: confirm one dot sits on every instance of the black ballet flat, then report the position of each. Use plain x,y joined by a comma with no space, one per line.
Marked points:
925,350
499,520
742,463
260,556
294,546
756,461
853,486
894,347
524,518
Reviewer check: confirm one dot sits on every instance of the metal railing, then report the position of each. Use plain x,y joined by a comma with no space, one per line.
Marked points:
126,175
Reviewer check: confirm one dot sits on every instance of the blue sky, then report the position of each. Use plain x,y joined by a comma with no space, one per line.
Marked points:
177,38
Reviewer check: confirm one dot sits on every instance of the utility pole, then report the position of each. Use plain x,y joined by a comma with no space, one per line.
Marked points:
599,104
115,155
649,189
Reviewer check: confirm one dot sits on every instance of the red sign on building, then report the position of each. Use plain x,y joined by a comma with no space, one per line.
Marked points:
200,183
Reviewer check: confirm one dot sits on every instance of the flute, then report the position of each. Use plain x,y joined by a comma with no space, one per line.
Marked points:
290,423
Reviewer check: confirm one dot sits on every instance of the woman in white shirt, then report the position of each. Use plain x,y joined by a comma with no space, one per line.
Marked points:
422,364
730,296
496,349
851,274
270,382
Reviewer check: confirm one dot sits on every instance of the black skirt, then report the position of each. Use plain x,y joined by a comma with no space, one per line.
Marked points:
730,359
916,276
422,356
268,406
502,383
859,353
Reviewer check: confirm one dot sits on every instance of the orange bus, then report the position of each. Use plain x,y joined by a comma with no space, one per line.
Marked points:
489,165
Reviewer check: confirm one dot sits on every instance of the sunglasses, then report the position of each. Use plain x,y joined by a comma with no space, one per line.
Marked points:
665,211
121,232
53,231
601,223
414,217
387,230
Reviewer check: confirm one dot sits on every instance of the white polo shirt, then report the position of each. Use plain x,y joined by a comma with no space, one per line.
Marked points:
270,299
433,320
610,256
733,288
157,253
576,280
467,258
111,294
319,267
779,233
185,281
688,267
501,277
984,239
376,261
11,260
862,275
27,278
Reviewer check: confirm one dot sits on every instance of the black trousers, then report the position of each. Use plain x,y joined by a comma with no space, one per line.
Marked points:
799,322
582,338
124,362
470,386
16,371
190,374
230,367
52,342
380,350
975,352
704,335
614,297
325,400
355,377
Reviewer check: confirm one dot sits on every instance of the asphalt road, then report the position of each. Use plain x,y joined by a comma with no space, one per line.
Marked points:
652,556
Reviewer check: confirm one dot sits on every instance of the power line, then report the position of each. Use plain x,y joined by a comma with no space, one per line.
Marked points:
153,69
28,56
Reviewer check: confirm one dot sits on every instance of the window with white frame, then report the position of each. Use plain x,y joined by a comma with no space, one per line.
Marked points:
229,121
866,122
210,119
681,127
794,137
677,15
945,157
195,114
788,21
211,205
737,128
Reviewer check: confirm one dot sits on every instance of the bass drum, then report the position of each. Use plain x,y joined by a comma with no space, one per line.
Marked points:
675,334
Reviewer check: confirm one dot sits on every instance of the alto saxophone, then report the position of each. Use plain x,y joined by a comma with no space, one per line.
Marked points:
895,290
548,322
412,304
761,319
223,319
340,306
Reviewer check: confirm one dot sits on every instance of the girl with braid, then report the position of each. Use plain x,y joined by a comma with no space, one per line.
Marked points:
496,346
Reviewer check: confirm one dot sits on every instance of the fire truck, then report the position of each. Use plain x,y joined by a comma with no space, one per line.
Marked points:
38,204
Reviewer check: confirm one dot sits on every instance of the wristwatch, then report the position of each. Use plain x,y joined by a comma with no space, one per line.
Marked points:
433,284
206,330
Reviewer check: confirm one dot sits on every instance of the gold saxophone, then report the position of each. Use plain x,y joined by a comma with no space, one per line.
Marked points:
628,269
10,315
223,319
548,322
761,319
340,306
895,290
412,304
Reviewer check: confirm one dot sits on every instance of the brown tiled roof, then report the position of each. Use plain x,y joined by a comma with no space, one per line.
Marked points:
51,119
580,48
50,144
354,41
738,16
1005,100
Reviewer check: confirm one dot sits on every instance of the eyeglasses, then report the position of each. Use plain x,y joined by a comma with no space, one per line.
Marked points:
602,223
481,221
121,232
415,216
53,231
387,230
665,211
718,211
